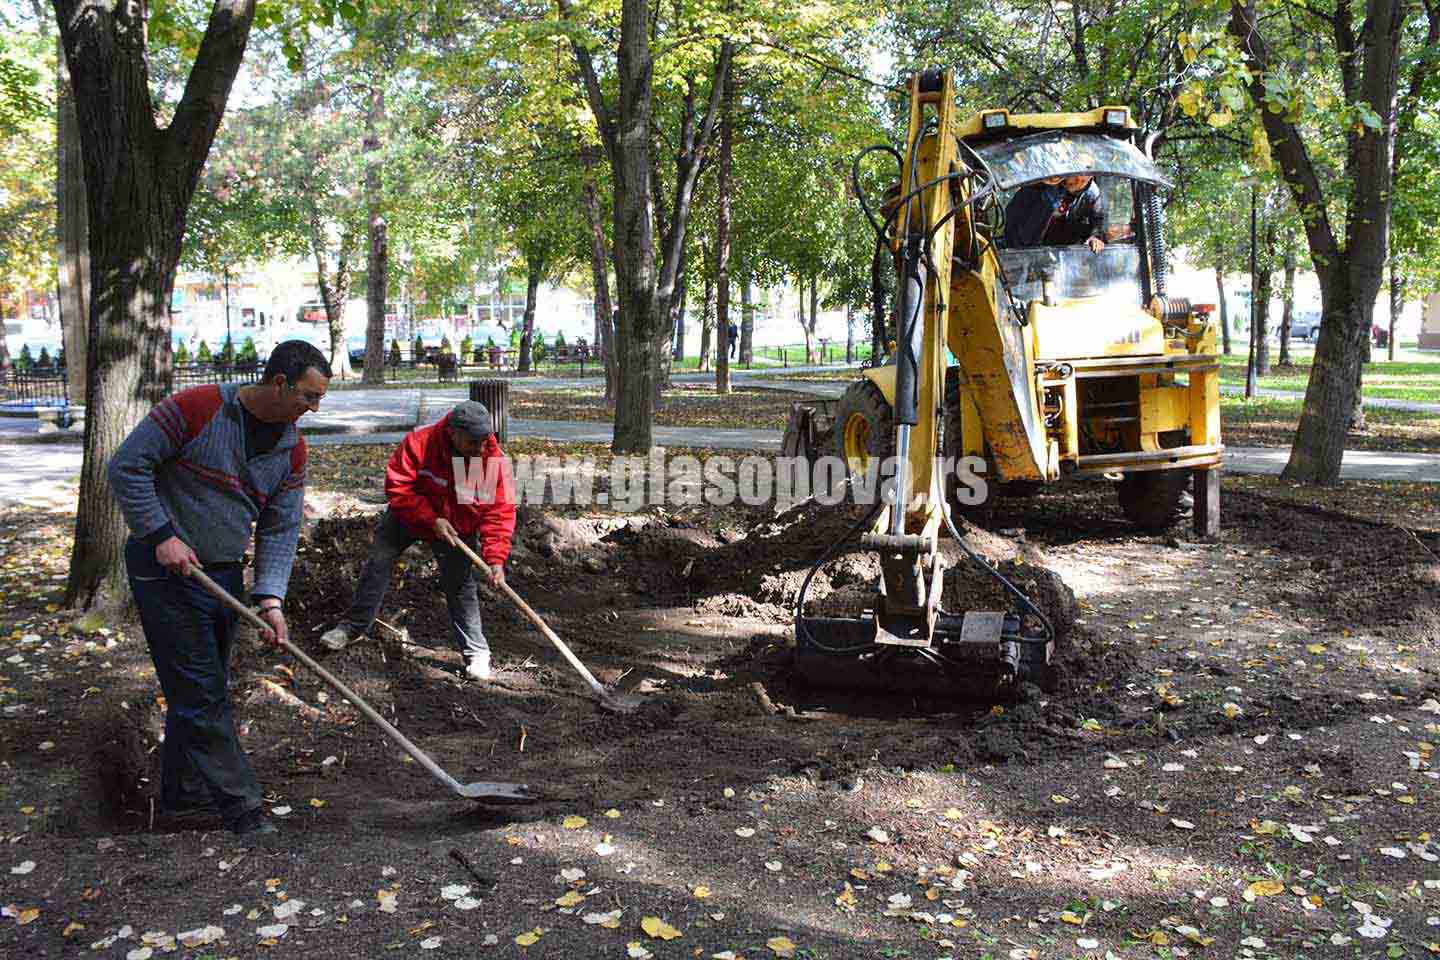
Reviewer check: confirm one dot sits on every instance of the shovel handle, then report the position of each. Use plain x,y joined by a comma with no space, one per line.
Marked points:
534,618
420,756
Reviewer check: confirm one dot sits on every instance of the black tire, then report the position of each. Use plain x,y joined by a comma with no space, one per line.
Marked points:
864,426
1151,499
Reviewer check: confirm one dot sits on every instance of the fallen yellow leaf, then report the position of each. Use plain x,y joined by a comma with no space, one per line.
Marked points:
952,813
573,822
1059,798
316,802
28,915
1407,800
1070,917
529,938
701,892
570,899
72,927
781,946
659,929
1266,888
612,814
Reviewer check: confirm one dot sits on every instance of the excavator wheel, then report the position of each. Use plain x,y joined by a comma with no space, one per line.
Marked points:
1153,499
864,427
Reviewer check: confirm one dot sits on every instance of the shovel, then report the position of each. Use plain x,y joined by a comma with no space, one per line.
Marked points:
484,790
609,699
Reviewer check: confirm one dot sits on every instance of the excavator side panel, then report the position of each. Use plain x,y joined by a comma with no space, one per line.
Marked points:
996,363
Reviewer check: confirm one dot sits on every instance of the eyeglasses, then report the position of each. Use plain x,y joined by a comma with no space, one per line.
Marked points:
312,397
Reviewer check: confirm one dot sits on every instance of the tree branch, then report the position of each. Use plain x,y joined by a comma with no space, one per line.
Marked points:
1285,141
591,83
208,87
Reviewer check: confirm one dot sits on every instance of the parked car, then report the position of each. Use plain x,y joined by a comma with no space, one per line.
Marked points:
1305,325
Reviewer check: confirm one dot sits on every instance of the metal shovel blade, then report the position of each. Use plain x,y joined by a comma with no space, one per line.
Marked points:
613,702
490,791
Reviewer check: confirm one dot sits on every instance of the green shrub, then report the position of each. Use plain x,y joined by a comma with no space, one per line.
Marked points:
203,354
227,352
248,353
44,356
26,360
182,353
537,347
395,353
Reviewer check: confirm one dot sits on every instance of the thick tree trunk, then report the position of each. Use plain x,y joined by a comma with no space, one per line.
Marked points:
1349,273
747,322
707,324
1288,316
1397,306
73,259
1224,307
599,274
139,180
534,273
377,273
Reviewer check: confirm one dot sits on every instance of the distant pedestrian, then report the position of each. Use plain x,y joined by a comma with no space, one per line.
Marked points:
732,333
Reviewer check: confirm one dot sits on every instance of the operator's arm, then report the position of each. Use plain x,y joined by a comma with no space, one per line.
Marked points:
278,530
402,475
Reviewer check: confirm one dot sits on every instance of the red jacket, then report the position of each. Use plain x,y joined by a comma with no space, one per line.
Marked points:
420,485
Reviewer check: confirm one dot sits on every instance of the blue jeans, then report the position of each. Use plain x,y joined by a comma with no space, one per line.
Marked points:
457,579
190,634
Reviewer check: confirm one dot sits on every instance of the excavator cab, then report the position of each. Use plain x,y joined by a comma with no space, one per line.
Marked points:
1026,350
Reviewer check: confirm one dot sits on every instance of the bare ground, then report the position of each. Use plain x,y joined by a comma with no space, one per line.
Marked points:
1236,760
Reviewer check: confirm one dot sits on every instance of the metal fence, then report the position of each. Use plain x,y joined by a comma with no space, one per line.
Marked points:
33,388
50,388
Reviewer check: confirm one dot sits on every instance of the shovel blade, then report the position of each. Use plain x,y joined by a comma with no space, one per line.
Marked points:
490,791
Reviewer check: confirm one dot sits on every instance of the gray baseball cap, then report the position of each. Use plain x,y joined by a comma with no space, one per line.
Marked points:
472,417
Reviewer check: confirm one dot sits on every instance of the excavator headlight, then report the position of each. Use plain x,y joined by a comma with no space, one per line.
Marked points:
1117,117
995,119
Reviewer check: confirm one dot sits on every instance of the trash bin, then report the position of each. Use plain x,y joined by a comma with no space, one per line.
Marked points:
495,394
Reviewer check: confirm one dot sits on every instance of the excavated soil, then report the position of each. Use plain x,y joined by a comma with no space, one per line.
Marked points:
1317,628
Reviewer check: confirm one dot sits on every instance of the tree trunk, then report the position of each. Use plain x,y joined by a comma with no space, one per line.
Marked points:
599,275
814,318
707,324
849,333
1288,317
645,294
722,233
747,323
1397,306
73,259
1262,322
378,261
535,272
139,180
1224,307
334,293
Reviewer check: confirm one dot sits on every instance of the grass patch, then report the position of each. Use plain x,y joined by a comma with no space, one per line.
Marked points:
1414,380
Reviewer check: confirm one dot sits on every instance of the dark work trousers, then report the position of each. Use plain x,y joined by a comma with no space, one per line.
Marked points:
190,634
457,579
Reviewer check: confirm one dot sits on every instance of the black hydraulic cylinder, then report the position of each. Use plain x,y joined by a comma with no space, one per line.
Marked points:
910,338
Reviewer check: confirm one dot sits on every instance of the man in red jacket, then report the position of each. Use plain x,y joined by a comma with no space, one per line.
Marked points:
420,484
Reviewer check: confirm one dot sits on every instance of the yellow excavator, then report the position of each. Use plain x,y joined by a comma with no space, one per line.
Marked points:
1069,359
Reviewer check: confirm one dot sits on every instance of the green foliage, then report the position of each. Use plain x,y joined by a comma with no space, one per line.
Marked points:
248,353
467,348
417,349
44,360
182,353
395,357
26,360
560,342
227,352
27,172
446,349
537,347
203,354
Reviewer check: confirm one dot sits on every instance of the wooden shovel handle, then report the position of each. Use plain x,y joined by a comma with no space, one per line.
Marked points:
534,618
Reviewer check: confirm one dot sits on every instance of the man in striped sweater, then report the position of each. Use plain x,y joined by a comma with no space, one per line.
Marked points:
205,467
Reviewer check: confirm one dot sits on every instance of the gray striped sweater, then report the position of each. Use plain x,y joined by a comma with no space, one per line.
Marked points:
185,465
